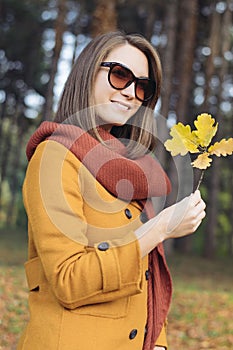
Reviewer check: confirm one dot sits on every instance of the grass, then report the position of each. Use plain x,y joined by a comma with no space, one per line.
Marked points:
200,315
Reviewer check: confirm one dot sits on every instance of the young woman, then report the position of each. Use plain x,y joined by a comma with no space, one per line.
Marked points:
96,271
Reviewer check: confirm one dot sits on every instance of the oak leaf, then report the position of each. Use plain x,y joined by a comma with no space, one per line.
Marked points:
183,140
222,148
202,161
205,129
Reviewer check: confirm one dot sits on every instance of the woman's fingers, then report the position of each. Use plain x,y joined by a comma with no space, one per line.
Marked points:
178,220
186,215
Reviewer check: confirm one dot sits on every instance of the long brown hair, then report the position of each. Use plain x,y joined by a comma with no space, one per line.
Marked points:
76,104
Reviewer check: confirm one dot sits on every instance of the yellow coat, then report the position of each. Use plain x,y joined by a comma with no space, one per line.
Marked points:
87,281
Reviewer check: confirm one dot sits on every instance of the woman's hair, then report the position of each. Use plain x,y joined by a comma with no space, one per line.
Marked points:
76,105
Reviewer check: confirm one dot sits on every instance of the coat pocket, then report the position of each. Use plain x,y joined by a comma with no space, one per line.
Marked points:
34,274
112,309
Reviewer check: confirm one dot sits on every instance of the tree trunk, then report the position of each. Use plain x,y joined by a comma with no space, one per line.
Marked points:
212,211
168,63
6,146
219,48
17,139
14,185
104,17
214,46
2,117
184,63
150,21
230,237
60,27
213,183
188,20
2,166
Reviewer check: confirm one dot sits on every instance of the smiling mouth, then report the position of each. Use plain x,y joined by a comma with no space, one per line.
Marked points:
121,105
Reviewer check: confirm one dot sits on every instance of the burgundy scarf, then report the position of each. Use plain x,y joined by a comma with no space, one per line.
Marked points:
127,179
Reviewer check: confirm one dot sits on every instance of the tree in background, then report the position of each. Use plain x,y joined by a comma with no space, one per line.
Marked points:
217,67
59,29
104,17
21,68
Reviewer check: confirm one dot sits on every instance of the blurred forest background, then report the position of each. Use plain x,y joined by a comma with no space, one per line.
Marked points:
39,41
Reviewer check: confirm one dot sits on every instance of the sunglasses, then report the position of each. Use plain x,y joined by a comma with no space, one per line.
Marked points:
120,77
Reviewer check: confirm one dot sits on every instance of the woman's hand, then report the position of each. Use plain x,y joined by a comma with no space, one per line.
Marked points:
176,221
182,218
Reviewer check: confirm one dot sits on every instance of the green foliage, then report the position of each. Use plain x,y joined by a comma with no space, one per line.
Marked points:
225,199
224,223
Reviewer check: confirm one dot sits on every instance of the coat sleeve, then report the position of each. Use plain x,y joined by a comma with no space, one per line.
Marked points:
78,274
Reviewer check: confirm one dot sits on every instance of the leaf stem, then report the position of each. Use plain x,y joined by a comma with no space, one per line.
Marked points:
200,180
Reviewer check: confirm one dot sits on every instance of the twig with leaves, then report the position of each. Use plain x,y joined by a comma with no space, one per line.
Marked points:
198,141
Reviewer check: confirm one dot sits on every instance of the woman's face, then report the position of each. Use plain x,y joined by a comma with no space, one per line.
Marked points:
116,107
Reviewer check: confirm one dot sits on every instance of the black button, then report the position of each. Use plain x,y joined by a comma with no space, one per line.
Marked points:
143,217
147,273
133,334
103,246
128,213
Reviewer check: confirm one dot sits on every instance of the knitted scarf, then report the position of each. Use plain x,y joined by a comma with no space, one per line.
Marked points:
138,179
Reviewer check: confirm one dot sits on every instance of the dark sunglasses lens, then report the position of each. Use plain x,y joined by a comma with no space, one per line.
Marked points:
120,77
145,89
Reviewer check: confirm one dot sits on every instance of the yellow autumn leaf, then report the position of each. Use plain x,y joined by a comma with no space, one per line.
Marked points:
222,148
205,129
202,161
183,140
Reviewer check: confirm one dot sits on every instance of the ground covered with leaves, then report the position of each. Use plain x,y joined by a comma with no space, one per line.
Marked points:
202,307
200,316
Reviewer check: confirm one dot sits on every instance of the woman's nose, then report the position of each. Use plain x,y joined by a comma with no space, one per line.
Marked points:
129,91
